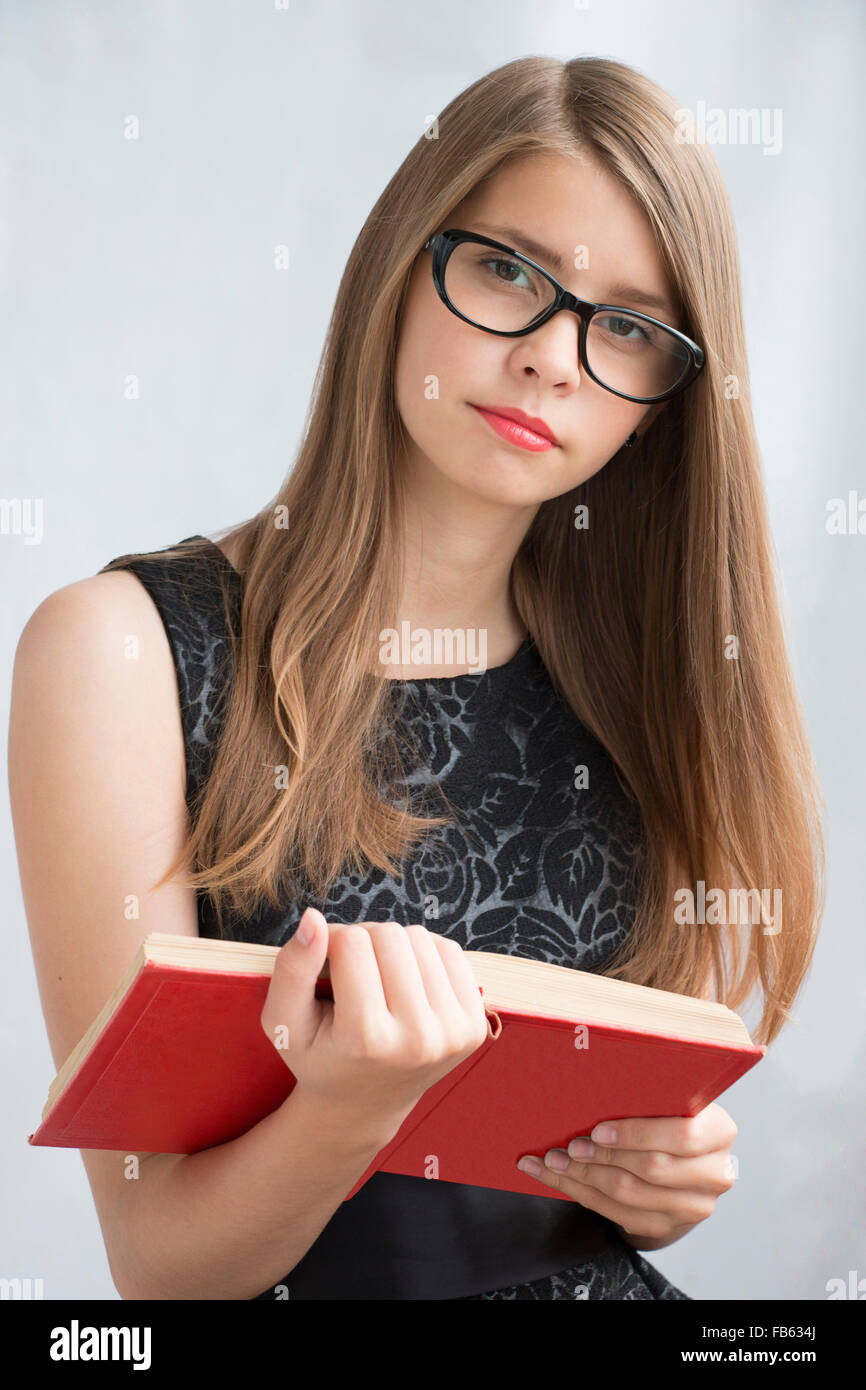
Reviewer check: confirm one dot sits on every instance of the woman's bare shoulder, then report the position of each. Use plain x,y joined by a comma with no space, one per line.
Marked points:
96,653
96,603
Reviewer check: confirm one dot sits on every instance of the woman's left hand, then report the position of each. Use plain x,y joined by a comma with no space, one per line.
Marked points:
654,1178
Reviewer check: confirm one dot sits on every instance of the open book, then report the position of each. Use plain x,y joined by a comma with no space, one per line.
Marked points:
178,1061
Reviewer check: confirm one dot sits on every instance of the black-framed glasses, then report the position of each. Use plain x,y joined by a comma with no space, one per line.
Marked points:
630,354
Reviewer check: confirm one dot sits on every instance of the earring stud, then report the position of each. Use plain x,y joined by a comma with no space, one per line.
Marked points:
631,439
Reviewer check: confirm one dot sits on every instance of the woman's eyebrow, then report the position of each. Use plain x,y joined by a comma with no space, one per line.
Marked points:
617,294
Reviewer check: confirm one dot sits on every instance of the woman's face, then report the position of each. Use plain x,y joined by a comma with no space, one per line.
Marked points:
563,204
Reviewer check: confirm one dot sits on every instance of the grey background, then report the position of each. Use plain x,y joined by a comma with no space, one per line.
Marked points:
262,126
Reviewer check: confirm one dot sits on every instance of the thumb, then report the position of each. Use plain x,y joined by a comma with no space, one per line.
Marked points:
292,1014
308,930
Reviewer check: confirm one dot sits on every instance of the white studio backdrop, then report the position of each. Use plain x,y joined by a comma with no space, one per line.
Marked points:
269,124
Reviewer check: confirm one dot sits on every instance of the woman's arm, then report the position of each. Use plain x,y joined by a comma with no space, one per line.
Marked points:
228,1222
97,779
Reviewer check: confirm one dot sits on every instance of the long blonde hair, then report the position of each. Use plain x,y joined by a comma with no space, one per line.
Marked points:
631,623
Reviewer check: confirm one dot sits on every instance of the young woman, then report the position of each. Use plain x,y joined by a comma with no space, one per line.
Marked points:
531,427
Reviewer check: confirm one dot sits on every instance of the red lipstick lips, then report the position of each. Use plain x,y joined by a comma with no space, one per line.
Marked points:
519,428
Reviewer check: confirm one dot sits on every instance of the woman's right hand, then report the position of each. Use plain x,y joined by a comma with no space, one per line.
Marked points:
406,1011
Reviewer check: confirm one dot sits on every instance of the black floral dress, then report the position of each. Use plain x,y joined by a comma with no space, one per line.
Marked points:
533,866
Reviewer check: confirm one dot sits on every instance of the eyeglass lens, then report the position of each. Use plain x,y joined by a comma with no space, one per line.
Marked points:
498,291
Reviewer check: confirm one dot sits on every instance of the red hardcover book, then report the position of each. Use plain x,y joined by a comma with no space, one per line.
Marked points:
177,1061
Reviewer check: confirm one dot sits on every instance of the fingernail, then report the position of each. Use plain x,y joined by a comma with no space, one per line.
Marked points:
604,1134
530,1165
304,931
581,1148
557,1160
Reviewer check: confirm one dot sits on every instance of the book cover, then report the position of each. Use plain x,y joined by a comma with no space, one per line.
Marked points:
180,1063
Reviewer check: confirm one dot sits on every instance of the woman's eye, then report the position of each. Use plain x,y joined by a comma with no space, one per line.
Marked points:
511,268
621,326
625,329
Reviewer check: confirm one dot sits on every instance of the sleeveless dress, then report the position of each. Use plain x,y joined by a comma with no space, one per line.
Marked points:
533,868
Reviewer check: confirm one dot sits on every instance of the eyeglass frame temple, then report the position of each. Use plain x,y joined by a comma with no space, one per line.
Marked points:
441,244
